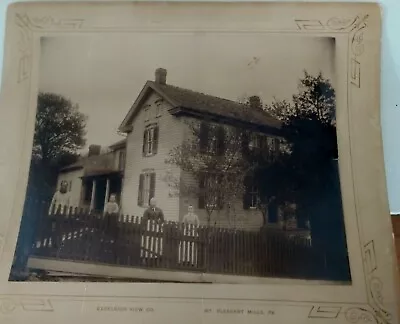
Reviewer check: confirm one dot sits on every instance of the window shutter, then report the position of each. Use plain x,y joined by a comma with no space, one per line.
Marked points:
155,139
220,140
140,191
202,186
245,143
247,194
204,134
152,186
144,142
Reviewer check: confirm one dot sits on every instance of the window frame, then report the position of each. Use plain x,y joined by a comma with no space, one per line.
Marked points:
150,140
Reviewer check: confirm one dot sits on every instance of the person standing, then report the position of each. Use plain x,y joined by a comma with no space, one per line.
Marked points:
111,212
153,217
188,249
61,198
59,203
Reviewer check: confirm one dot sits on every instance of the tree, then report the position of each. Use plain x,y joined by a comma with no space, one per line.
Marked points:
211,156
310,171
59,129
59,134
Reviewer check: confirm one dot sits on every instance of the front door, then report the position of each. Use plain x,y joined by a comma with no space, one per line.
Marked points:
100,194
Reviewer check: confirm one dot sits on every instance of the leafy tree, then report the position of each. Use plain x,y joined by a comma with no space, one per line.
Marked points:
59,129
211,156
59,134
309,174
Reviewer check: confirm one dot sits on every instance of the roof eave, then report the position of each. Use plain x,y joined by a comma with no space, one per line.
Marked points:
184,111
126,125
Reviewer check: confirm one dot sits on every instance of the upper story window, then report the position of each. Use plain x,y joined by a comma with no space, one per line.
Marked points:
255,141
158,104
147,110
210,186
212,138
150,140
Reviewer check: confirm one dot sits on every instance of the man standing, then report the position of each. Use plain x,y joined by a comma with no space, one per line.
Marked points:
151,224
60,199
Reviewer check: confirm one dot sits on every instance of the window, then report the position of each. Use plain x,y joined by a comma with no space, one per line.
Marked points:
70,185
121,160
212,138
147,186
158,104
146,113
150,140
251,195
255,141
254,196
209,194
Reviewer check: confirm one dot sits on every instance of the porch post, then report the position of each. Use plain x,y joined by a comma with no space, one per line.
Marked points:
106,197
92,200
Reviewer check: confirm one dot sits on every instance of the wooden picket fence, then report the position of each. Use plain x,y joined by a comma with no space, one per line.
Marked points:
76,234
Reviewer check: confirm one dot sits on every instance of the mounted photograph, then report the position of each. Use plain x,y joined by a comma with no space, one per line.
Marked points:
184,158
170,162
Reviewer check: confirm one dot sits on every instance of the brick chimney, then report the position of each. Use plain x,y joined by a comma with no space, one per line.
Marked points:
255,102
161,76
94,150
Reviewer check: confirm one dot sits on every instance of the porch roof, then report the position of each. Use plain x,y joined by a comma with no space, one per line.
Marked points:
101,172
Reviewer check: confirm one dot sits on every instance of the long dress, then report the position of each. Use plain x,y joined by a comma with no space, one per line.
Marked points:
188,248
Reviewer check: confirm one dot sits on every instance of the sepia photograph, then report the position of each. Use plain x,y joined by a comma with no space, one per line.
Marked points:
174,155
194,162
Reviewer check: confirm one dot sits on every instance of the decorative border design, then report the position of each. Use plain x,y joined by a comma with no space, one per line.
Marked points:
324,312
9,305
354,27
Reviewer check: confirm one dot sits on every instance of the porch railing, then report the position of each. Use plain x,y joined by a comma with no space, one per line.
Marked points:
125,240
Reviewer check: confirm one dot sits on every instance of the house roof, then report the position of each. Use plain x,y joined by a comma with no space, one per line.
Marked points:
119,144
100,172
197,103
74,166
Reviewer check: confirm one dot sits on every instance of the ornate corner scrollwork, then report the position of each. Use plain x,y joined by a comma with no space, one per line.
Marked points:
376,301
341,24
24,47
28,26
359,315
7,305
357,49
375,285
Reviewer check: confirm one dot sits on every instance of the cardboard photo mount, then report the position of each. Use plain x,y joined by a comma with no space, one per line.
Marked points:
372,297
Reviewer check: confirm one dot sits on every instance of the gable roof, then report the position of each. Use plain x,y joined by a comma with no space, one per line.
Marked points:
185,101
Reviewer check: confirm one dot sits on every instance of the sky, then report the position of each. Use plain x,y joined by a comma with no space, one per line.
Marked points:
104,74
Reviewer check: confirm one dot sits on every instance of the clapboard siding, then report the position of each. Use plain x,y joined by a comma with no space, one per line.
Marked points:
233,217
170,135
74,185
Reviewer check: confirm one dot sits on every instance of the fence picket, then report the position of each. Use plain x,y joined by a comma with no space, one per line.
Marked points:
78,234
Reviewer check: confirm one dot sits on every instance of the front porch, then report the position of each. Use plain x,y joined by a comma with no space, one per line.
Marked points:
97,186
